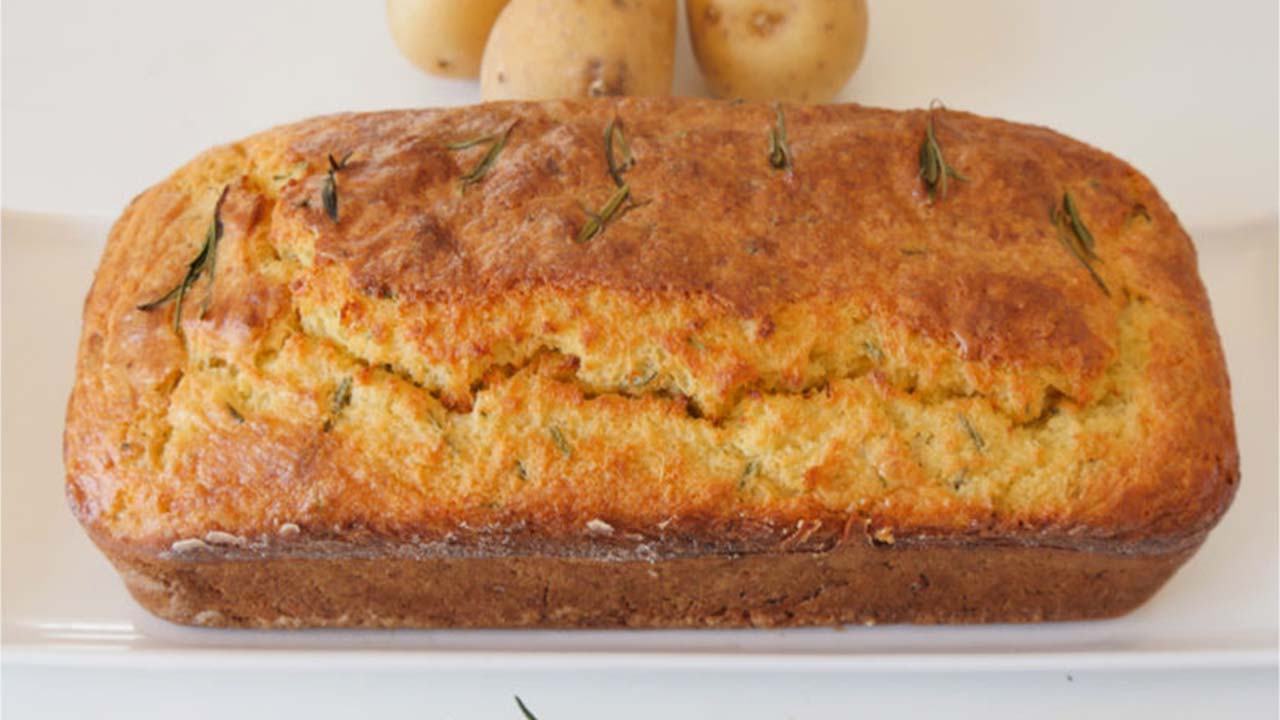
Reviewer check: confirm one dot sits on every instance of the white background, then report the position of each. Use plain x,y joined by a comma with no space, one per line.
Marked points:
101,99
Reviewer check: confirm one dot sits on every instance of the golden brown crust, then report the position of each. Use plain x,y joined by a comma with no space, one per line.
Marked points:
744,360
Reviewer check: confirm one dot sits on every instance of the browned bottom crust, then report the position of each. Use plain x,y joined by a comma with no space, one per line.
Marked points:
850,584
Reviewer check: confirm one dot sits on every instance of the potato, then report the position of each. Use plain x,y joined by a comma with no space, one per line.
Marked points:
793,50
572,48
443,37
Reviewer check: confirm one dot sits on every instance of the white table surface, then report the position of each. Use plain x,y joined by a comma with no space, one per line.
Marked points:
101,99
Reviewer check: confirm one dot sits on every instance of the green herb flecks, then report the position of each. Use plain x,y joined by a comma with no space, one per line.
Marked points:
873,351
596,222
1076,238
521,471
204,261
750,471
613,137
235,414
642,380
341,399
779,150
329,191
978,442
960,479
934,169
495,142
558,438
527,714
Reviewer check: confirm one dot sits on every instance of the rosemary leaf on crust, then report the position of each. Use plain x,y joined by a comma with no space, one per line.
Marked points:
596,222
934,169
1077,225
329,191
779,150
464,144
613,136
496,144
204,261
1074,242
329,194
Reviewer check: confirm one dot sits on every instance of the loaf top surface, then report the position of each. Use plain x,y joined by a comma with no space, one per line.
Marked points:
742,356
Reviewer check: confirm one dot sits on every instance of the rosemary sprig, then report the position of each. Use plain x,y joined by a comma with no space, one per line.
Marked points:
1076,243
978,442
751,470
558,438
235,414
495,142
613,135
934,169
204,260
597,221
527,714
341,399
329,192
779,150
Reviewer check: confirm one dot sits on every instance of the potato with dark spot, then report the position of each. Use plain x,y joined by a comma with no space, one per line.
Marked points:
443,37
793,50
542,49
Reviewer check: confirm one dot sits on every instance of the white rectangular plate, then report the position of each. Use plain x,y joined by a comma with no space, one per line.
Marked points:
63,604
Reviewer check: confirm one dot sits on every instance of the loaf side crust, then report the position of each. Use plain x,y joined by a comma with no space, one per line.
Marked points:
856,583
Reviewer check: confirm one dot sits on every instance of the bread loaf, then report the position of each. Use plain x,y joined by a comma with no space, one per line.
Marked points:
648,362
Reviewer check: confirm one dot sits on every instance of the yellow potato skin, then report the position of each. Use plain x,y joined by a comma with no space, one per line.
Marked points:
544,49
443,37
789,50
